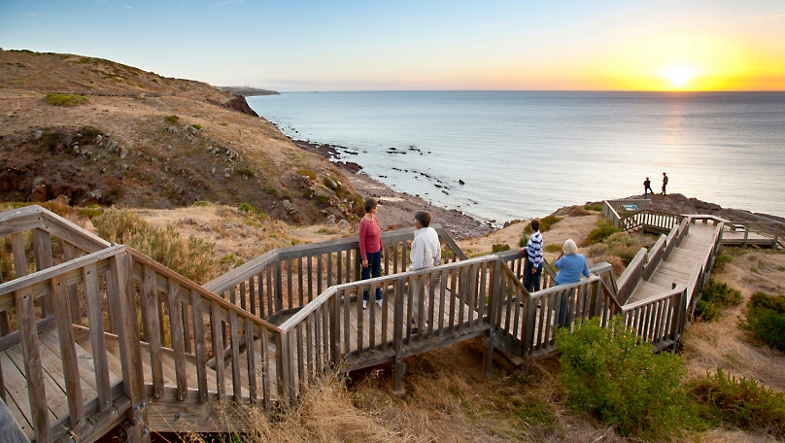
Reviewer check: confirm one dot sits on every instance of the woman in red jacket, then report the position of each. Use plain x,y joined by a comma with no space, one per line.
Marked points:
371,248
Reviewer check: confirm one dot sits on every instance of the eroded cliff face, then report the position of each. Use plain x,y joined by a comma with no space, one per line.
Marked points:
160,146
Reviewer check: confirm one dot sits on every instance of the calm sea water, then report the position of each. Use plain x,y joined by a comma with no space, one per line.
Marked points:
527,153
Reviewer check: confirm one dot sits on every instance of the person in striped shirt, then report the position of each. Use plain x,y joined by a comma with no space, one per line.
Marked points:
533,266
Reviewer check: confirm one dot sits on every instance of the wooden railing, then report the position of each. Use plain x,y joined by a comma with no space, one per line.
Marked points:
773,233
100,274
517,261
117,298
181,321
284,280
456,304
651,219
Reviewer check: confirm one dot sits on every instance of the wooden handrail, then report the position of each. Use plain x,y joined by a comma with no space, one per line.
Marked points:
212,297
379,281
36,278
253,267
652,300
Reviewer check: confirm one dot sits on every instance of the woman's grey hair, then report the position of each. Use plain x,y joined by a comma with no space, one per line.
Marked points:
570,248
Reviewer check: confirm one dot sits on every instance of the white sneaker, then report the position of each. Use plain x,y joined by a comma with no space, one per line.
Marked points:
379,303
365,304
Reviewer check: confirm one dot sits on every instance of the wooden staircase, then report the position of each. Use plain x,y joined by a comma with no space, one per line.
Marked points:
102,335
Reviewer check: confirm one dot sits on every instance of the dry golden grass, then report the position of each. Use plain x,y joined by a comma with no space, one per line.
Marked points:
446,399
708,345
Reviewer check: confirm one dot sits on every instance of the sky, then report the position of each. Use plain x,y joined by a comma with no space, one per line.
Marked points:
293,45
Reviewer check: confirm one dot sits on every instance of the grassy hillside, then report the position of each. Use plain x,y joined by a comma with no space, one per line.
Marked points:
101,132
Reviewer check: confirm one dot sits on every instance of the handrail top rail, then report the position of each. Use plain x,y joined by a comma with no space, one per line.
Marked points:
59,269
201,290
23,212
669,293
226,281
47,216
706,217
557,288
327,293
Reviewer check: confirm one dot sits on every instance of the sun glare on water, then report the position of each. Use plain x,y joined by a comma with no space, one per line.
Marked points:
680,76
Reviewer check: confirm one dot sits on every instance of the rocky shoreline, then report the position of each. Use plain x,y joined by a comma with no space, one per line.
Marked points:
396,209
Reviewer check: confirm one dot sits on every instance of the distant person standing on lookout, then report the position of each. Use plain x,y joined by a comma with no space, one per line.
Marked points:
664,183
647,188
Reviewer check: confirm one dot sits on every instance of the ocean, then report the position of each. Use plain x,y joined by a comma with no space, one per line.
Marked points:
503,155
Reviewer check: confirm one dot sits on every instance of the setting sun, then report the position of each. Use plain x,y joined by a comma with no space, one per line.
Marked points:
680,75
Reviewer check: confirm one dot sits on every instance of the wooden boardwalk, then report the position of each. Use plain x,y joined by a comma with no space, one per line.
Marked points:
681,267
168,354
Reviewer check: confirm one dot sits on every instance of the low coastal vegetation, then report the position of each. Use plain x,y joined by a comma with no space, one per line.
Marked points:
716,298
605,229
65,99
192,257
765,320
610,374
726,400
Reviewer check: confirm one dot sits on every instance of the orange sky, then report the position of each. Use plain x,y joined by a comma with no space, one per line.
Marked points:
408,44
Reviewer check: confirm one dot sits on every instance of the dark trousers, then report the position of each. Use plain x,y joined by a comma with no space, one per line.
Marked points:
375,268
531,280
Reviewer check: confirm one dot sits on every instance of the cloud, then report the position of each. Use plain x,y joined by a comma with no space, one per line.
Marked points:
232,1
32,14
127,7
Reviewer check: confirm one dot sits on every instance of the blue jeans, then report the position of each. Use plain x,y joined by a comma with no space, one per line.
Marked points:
531,281
375,268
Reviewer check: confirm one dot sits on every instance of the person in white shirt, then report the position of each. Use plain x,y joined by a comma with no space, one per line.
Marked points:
426,252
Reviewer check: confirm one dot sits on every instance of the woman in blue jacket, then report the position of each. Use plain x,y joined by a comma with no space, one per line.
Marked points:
570,264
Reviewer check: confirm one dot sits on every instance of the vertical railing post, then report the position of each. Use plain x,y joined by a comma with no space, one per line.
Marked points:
278,287
36,391
42,245
494,304
399,367
130,346
73,387
746,234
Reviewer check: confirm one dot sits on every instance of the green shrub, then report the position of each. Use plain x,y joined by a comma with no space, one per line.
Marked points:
612,375
765,320
595,208
89,212
172,119
721,260
307,173
740,402
65,99
622,245
245,207
195,126
716,297
545,224
201,203
499,247
604,229
553,247
245,172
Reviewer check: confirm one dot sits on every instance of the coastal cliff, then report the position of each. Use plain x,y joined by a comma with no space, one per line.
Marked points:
100,132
